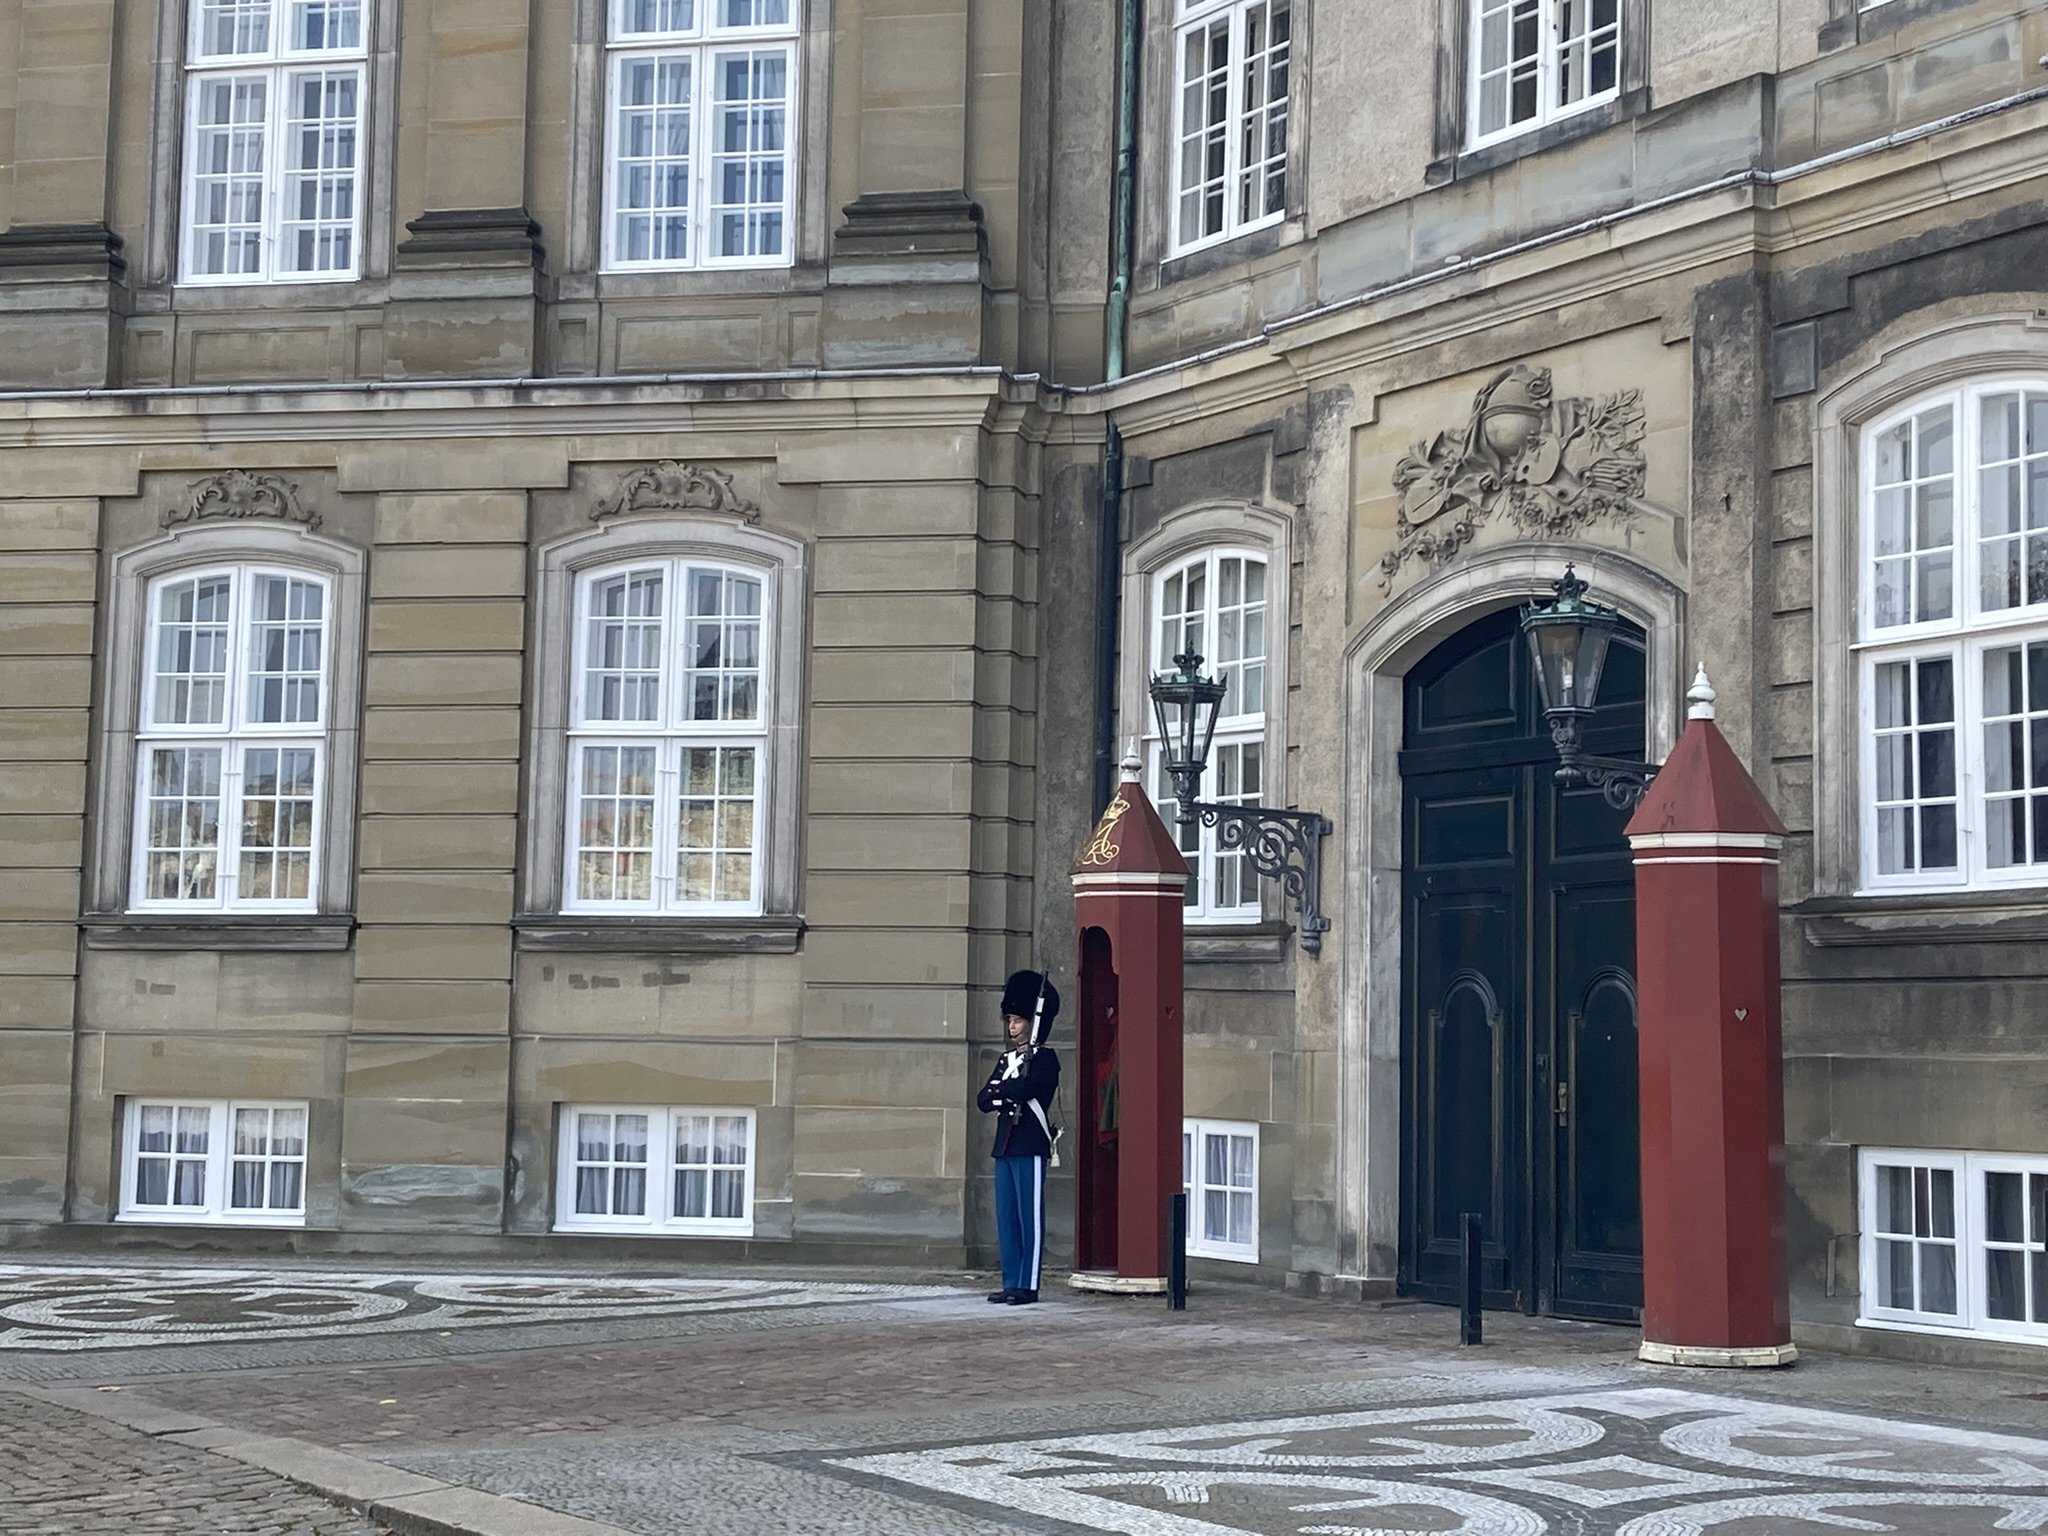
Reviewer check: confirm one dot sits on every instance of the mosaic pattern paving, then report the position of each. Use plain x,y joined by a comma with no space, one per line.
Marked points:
43,1309
1630,1462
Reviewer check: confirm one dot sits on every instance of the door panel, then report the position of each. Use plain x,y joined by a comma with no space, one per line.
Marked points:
1464,1123
1518,1022
1600,1228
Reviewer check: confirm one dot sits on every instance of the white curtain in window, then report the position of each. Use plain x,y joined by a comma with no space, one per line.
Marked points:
668,740
232,741
1953,639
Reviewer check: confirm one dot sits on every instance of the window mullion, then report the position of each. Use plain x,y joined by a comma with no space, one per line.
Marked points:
675,675
661,1137
1233,119
220,1120
1970,862
702,90
273,169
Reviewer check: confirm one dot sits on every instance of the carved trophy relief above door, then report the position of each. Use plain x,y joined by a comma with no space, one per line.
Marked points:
1549,465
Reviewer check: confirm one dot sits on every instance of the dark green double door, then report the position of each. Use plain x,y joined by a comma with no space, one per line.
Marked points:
1518,982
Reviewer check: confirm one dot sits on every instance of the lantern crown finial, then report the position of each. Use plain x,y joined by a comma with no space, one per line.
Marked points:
1700,696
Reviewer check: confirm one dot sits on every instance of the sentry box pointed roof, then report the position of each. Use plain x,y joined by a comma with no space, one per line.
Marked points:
1130,839
1703,786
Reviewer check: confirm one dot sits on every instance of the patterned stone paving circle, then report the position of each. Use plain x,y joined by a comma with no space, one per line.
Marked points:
76,1310
1627,1462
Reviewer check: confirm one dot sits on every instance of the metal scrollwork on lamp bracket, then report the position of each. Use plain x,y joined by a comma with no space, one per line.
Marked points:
1286,846
1279,845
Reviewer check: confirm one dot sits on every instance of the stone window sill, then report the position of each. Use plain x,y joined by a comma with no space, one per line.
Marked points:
1231,252
1860,24
263,933
1949,917
660,935
1237,943
1476,162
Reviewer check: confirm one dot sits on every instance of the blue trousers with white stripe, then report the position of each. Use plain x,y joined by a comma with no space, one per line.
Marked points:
1020,1219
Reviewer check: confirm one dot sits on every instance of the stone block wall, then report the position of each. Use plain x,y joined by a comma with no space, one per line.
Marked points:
48,568
441,997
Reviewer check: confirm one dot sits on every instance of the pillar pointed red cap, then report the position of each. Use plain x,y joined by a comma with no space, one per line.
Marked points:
1703,786
1130,839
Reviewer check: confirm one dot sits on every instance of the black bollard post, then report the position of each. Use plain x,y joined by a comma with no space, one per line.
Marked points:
1177,1252
1468,1313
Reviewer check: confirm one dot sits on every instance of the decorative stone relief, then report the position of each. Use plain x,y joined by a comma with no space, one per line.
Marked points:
237,493
672,486
1551,466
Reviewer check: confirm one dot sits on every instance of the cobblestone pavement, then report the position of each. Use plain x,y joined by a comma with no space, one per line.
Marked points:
801,1403
65,1474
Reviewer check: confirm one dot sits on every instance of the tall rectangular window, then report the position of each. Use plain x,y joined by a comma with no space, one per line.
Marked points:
1219,1166
1956,1241
1953,640
668,740
1233,60
273,141
655,1170
1534,61
698,168
1214,606
214,1162
231,749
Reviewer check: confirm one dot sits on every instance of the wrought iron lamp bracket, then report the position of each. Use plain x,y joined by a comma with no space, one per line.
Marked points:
1286,846
1622,782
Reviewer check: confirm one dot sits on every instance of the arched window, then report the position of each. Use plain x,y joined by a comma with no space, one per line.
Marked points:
668,739
231,744
1953,639
1214,605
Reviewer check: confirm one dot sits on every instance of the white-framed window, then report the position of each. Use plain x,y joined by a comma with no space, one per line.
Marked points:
1535,61
636,1168
1214,605
273,165
668,740
1952,640
699,128
1956,1241
231,746
214,1161
1219,1168
1232,77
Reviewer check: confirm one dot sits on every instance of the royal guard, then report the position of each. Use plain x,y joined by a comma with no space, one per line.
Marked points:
1019,1093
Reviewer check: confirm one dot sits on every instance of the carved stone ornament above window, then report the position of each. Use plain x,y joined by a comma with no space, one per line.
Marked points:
1551,466
237,493
671,486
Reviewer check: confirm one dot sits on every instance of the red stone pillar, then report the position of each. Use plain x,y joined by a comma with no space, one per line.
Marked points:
1713,1087
1128,883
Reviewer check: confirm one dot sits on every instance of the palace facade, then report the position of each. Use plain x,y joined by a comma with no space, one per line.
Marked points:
574,572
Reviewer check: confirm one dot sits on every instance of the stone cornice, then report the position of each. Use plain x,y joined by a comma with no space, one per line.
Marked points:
1742,217
752,407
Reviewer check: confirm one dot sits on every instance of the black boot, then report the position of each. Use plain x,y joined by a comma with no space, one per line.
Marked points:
1002,1298
1022,1298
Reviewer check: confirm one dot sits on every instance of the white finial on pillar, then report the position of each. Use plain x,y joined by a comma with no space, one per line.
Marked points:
1132,765
1700,696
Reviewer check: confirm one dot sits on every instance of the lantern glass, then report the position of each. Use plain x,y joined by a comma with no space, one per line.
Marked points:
1568,638
1185,703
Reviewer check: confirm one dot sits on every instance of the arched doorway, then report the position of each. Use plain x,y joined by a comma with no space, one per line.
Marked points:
1518,1019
